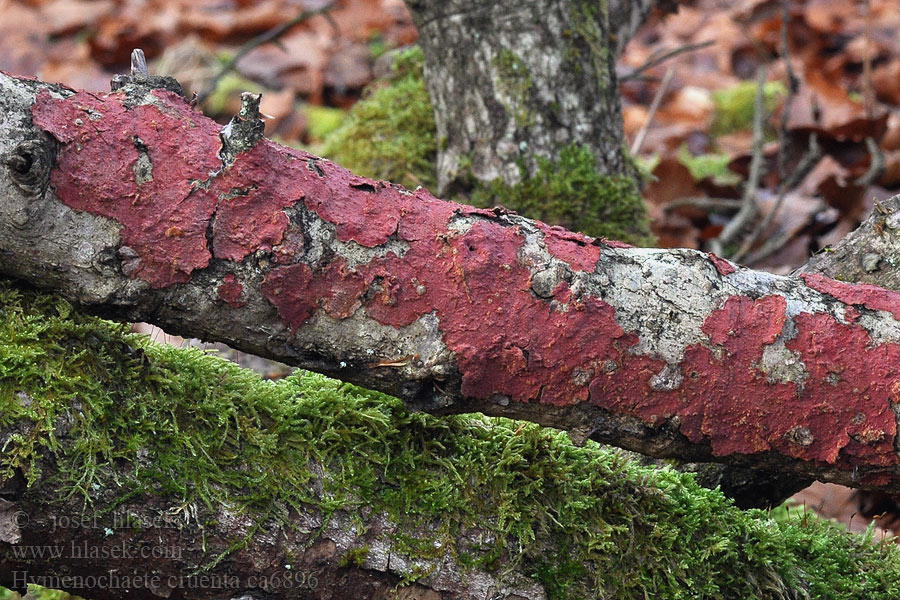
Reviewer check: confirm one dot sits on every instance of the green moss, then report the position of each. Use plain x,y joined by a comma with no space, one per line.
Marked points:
201,430
572,193
390,134
734,105
230,86
377,45
514,82
36,592
712,165
589,18
322,121
355,557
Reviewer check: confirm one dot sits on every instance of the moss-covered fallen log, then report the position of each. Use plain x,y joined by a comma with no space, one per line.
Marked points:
133,469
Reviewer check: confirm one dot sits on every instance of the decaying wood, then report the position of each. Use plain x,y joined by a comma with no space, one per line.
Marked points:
139,208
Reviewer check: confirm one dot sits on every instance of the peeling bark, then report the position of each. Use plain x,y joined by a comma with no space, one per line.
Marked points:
673,353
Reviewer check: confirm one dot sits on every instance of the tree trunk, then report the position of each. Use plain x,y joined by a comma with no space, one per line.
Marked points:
512,82
148,211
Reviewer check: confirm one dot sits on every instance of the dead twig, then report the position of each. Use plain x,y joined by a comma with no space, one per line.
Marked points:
793,84
656,58
264,38
809,160
749,210
778,242
868,89
876,165
707,204
654,106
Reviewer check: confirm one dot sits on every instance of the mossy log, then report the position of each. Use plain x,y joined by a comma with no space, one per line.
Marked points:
134,470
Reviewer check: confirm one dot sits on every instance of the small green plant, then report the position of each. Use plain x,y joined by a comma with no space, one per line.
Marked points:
322,121
712,165
355,557
734,105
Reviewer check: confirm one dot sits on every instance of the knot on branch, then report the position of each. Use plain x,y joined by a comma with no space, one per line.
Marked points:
29,165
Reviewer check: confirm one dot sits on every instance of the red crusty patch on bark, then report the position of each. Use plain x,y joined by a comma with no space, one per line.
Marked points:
615,244
738,332
286,288
824,420
364,211
577,249
250,195
230,291
160,218
165,219
722,266
864,294
507,341
296,291
850,389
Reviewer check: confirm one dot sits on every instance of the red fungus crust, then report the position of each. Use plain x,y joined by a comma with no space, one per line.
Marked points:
829,419
722,266
230,291
870,296
296,291
160,218
164,214
615,244
577,249
249,196
463,265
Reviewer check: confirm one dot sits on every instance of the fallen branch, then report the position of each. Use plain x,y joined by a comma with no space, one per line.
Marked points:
139,208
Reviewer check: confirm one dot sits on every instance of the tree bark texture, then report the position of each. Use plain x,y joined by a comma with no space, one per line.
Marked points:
511,82
137,207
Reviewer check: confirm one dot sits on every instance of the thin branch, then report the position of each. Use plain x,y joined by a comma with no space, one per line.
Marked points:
868,91
655,60
707,204
784,140
876,165
264,38
809,160
778,242
749,210
654,106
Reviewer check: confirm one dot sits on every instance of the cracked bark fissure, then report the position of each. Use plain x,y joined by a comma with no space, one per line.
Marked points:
451,308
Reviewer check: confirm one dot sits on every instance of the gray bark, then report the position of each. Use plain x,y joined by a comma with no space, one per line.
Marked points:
511,82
